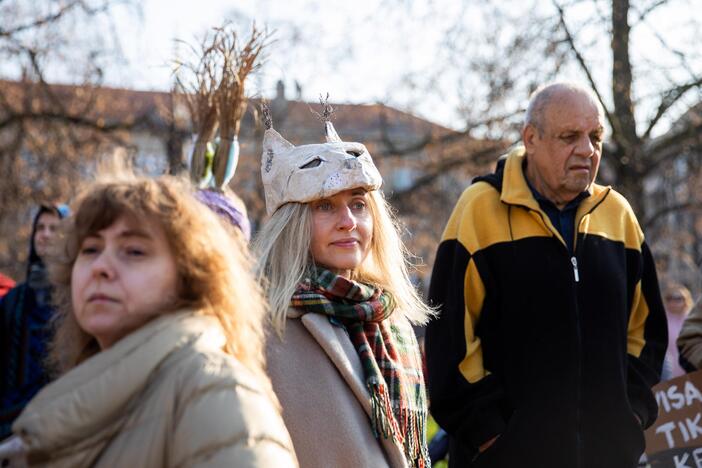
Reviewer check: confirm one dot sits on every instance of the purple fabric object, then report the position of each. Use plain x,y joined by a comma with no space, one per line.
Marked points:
223,206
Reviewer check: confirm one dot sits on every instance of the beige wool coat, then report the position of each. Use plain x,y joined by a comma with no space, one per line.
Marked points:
690,338
317,376
164,396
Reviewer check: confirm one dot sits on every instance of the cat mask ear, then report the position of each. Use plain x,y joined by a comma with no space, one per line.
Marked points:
304,173
274,143
330,133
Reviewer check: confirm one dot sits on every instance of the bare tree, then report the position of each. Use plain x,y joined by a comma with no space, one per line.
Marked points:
655,76
50,133
639,57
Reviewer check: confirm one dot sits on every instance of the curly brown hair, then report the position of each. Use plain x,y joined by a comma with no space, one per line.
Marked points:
214,267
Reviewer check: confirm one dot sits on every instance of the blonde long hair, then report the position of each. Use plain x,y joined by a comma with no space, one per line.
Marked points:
214,267
283,250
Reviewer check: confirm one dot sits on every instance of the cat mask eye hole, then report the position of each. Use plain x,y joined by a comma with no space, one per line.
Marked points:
313,163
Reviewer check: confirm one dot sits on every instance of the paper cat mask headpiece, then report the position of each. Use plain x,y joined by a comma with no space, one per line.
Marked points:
310,172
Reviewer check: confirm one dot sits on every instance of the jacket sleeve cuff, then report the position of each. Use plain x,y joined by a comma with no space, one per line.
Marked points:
644,405
640,409
641,398
489,423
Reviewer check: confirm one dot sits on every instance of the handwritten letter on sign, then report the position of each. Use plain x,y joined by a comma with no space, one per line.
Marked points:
675,440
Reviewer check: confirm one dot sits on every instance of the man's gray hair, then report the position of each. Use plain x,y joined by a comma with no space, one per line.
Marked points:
546,94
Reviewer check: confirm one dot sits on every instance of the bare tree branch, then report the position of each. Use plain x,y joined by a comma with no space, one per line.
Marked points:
41,21
646,11
670,146
79,120
658,214
583,65
478,157
669,98
48,129
393,150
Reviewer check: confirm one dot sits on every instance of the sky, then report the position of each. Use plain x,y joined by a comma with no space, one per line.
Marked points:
398,52
360,51
356,57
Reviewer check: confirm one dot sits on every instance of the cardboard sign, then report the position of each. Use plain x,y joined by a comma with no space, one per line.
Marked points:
675,440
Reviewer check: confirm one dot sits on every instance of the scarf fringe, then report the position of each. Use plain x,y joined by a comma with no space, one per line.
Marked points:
409,432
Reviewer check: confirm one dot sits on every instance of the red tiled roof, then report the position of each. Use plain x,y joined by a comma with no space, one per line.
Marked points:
364,119
353,121
110,104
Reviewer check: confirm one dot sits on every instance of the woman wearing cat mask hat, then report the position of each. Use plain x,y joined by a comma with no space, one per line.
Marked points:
343,360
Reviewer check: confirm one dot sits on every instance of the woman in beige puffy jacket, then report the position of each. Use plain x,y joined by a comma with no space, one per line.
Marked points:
160,340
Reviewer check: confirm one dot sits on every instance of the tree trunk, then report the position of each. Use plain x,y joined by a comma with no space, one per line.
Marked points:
627,155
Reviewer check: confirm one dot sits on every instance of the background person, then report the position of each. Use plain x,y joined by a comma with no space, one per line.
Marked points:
551,330
6,283
160,340
689,342
678,302
229,207
26,311
343,360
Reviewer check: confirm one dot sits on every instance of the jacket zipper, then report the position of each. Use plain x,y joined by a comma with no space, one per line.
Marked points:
579,371
579,449
578,338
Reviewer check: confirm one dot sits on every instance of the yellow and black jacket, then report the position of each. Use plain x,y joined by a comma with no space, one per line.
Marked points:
554,351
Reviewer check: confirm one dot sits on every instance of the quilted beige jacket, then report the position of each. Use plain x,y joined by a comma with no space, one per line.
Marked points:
164,396
318,378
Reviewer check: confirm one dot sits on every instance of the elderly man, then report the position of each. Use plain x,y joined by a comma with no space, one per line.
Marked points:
551,329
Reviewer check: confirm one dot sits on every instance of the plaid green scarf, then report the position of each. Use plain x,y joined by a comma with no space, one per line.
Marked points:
388,351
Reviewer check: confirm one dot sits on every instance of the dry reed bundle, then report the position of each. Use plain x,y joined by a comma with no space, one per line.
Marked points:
238,61
200,93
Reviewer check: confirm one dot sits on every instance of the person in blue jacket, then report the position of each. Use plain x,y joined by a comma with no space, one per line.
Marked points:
26,312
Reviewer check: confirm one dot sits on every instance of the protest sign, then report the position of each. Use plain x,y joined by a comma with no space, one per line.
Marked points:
675,440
